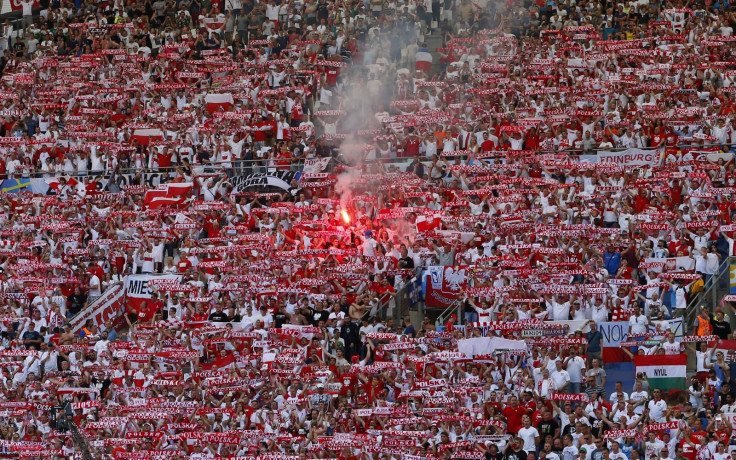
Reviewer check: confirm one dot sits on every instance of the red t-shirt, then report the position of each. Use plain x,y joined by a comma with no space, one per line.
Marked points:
513,417
164,159
331,75
182,265
412,148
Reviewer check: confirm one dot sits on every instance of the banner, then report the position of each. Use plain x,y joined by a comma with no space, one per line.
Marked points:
614,332
15,5
733,278
279,179
414,292
137,289
109,306
728,348
38,186
444,285
666,372
731,416
630,157
315,165
484,346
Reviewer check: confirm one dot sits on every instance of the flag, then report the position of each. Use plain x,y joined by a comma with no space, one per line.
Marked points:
15,5
425,224
424,60
215,101
444,284
138,290
728,348
54,182
145,136
666,372
178,188
171,194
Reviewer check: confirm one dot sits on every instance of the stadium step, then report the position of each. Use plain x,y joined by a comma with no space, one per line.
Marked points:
434,41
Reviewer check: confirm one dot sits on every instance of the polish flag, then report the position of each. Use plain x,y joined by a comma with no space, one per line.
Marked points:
54,182
168,195
424,224
179,188
145,136
424,60
216,101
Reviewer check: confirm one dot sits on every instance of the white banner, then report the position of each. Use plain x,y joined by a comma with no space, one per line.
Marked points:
670,264
315,165
487,345
107,307
630,157
138,288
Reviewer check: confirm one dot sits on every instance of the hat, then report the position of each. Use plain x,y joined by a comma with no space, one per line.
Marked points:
368,233
583,449
354,359
320,385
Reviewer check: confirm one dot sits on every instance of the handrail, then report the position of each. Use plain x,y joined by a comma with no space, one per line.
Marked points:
290,163
454,309
709,296
714,285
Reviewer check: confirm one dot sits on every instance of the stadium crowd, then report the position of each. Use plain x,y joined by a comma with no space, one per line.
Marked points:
143,127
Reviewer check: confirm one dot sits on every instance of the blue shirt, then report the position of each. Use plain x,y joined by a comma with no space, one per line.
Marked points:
612,262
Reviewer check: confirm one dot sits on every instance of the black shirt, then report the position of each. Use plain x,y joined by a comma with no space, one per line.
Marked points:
721,328
308,314
219,317
320,316
512,455
76,302
408,262
547,427
279,319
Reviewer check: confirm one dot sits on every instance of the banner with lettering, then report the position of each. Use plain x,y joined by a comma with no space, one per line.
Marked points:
109,306
315,165
630,157
277,179
665,372
138,288
614,332
444,285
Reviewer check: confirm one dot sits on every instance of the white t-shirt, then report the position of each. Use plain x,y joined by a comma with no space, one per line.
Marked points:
671,348
529,435
560,311
575,369
638,324
95,287
656,410
560,378
27,7
680,298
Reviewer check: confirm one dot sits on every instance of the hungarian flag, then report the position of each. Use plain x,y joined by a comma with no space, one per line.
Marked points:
216,101
145,136
424,60
666,372
172,194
